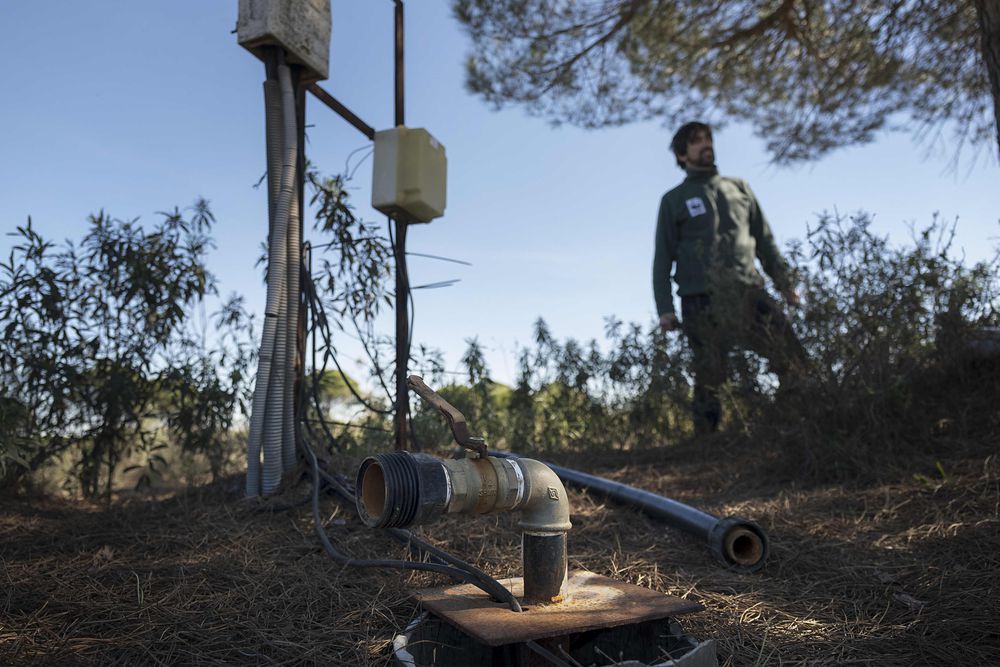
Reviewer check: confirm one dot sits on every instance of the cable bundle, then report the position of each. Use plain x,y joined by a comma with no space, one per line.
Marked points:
272,423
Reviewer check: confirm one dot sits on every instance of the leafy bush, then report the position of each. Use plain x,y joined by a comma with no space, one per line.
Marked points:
96,351
889,331
567,396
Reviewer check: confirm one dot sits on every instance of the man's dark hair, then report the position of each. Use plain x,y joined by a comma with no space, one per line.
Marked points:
679,144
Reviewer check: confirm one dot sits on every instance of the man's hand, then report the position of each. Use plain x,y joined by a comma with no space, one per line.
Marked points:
668,322
792,297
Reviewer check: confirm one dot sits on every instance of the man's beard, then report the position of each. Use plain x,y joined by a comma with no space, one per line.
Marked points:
706,158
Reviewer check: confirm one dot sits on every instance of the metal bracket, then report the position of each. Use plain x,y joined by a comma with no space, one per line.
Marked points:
456,420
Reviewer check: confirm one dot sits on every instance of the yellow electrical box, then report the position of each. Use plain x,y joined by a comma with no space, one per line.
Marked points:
409,174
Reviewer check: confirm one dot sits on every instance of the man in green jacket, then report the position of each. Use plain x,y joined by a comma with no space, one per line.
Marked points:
712,228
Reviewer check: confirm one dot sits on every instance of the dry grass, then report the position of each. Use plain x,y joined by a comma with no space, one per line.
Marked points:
889,573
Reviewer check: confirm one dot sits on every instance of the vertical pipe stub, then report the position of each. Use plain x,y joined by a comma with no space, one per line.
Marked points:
545,559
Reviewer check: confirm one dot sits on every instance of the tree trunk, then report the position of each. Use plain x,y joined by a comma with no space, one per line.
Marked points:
989,31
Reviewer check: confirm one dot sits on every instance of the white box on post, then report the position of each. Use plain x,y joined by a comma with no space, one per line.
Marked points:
300,27
409,174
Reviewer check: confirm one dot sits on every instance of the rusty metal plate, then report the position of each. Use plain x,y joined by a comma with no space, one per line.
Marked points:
592,602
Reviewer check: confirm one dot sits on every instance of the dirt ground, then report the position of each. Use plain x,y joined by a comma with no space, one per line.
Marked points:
897,572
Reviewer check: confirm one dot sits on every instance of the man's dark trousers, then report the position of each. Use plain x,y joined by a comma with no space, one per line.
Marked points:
749,318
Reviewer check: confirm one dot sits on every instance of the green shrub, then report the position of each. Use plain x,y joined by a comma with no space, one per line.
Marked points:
97,351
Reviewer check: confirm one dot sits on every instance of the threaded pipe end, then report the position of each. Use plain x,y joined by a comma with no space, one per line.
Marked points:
388,490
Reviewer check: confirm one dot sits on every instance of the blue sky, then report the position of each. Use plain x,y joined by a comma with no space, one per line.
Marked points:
135,107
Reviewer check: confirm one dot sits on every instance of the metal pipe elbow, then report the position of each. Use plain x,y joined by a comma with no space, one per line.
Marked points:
545,508
402,489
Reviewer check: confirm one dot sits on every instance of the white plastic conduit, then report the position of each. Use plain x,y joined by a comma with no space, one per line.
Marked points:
288,450
274,427
274,125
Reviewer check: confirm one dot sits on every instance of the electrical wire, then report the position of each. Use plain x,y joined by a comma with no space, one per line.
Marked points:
347,162
437,285
322,324
362,239
465,573
443,259
409,293
345,559
409,331
308,288
409,353
347,424
360,162
372,355
447,564
342,488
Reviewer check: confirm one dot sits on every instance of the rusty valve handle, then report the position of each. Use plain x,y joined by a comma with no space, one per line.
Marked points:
456,420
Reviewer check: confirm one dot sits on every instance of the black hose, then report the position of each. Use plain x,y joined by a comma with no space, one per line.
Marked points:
737,543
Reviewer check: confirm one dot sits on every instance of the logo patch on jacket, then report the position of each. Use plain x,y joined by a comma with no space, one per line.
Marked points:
695,206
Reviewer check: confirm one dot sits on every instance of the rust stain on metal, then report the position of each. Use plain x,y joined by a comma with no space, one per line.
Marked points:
591,602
